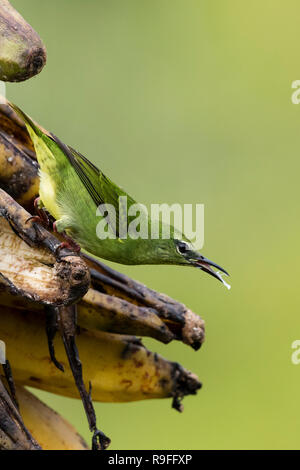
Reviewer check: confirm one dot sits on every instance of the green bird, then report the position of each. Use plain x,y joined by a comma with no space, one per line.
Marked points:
71,190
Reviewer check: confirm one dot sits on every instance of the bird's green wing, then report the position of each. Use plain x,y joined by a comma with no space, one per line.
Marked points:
101,189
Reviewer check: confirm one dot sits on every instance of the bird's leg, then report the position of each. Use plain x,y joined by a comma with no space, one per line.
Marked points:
41,215
59,227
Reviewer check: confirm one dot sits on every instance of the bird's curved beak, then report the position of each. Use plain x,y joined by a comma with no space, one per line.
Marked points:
207,266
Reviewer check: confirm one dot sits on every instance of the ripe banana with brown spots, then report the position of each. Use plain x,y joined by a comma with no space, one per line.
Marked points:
119,367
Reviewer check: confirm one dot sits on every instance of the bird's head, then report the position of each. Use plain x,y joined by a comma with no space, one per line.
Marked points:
181,252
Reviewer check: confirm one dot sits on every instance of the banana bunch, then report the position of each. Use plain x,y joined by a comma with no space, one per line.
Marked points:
98,312
119,367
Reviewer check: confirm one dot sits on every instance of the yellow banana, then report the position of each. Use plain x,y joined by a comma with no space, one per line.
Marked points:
50,429
119,368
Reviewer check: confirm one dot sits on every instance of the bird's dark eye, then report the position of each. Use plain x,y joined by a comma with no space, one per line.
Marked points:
182,247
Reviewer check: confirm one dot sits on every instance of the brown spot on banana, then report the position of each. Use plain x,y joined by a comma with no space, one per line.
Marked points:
98,311
109,361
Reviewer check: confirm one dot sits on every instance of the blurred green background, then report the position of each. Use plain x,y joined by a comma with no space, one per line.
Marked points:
190,102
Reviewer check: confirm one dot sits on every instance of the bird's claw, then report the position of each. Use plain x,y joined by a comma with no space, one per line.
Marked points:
69,245
41,216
